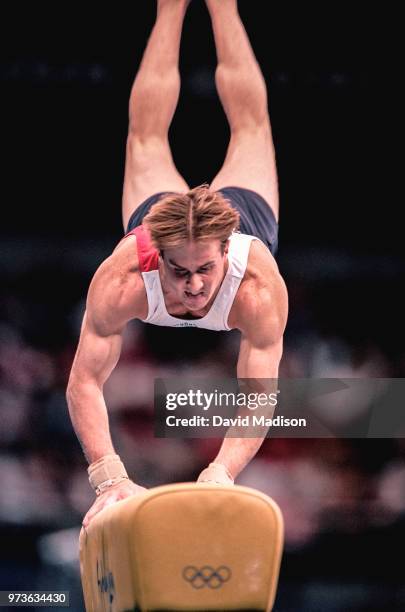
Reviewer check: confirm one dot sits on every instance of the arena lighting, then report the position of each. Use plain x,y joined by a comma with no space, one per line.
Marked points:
60,547
200,81
44,72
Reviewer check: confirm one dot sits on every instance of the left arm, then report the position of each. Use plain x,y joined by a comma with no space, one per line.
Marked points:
263,320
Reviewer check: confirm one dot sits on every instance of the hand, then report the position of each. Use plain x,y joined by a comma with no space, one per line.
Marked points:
123,489
216,473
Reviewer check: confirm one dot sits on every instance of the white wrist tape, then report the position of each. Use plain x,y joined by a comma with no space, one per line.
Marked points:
217,470
106,472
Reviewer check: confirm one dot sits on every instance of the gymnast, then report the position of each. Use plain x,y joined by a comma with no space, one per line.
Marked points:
200,257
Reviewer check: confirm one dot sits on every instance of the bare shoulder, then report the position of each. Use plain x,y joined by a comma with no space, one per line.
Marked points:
117,291
261,305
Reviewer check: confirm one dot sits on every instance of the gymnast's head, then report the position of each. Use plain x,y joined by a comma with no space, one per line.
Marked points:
191,232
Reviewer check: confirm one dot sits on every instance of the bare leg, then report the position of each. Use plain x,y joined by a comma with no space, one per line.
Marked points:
250,159
149,166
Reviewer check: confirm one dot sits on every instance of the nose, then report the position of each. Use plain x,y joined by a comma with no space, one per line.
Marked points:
194,283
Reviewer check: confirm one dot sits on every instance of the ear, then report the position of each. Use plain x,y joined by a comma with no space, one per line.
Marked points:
225,247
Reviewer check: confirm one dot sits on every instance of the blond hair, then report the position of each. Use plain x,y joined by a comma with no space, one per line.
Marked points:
199,214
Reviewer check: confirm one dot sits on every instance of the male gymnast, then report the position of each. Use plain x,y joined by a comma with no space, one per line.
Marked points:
201,257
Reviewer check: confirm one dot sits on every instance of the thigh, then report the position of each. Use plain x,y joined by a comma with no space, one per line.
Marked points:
250,163
256,216
149,169
142,210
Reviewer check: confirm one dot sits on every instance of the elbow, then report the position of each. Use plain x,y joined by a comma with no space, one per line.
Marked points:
72,392
79,390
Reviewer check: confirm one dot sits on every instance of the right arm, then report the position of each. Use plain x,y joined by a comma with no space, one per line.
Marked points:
108,309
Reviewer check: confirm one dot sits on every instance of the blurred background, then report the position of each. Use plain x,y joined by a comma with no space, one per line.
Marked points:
65,74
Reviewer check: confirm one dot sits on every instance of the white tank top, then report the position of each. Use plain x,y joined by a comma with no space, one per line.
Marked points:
217,317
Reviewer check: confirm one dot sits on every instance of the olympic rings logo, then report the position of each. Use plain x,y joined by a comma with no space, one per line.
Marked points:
206,576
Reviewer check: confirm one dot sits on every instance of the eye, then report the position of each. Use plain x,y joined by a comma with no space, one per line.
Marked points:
179,272
205,269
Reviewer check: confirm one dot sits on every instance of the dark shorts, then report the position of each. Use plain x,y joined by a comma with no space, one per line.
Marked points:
256,216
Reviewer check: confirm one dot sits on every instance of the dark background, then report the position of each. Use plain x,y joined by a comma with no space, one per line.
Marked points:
65,75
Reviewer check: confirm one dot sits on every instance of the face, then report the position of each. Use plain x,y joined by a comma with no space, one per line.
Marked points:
194,272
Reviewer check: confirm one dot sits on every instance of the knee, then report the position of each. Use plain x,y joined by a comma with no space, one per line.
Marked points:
154,88
237,80
152,103
243,94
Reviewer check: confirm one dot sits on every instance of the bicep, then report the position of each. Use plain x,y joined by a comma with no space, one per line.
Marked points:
265,318
96,355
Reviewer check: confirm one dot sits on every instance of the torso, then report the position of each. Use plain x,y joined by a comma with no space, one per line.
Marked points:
260,271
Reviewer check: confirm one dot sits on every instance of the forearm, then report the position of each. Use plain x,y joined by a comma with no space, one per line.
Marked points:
243,440
257,374
236,453
88,413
